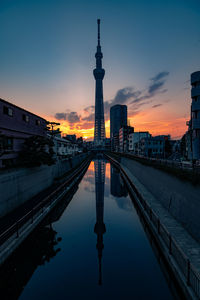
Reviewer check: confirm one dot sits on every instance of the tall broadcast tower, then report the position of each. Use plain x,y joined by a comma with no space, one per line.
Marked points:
99,72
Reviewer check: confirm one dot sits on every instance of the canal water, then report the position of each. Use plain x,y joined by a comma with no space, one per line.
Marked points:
94,248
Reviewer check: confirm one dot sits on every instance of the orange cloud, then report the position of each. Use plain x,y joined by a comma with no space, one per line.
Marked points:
156,121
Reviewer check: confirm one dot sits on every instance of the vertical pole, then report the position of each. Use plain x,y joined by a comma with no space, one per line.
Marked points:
158,226
151,214
170,244
188,272
32,215
17,229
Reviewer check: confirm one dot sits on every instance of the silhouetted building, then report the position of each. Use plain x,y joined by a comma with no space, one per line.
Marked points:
71,137
118,119
123,138
17,124
117,187
99,72
193,134
107,144
100,227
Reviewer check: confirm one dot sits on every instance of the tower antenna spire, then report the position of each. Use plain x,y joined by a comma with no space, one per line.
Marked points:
98,23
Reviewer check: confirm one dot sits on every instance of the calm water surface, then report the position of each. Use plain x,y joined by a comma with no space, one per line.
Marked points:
97,248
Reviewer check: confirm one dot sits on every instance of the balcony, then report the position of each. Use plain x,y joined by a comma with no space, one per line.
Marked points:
195,77
195,91
195,124
195,105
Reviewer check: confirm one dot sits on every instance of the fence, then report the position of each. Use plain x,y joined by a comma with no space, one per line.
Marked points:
191,275
183,165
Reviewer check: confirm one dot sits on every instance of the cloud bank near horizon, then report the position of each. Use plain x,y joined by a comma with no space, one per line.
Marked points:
133,98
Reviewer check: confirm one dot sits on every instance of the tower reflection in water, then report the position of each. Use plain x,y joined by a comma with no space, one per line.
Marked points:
100,227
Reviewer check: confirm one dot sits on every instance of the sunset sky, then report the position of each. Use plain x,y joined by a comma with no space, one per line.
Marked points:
150,48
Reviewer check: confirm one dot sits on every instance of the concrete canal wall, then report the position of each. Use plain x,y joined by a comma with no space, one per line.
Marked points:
180,249
18,186
180,197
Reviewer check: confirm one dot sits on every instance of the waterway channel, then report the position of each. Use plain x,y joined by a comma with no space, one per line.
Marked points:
94,247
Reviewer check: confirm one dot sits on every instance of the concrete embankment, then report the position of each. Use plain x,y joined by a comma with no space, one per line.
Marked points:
180,249
180,197
20,185
15,234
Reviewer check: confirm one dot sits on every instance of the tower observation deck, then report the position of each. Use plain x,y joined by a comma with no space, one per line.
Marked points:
99,72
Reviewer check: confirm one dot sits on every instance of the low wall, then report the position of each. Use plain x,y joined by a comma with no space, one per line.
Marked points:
16,187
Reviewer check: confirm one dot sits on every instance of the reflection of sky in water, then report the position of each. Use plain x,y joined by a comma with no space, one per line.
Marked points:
129,267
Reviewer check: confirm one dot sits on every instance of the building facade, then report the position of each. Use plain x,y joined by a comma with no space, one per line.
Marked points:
64,147
17,124
118,119
99,72
134,139
153,146
123,138
194,124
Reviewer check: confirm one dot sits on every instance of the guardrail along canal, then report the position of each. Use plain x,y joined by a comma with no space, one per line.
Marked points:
95,248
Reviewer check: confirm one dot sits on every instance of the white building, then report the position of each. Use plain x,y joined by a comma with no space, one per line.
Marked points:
134,139
64,147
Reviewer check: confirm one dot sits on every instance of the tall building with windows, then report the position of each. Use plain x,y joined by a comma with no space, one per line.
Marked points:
123,138
99,72
118,119
194,124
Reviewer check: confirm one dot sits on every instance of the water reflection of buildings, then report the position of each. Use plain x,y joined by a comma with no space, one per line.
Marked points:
100,227
117,187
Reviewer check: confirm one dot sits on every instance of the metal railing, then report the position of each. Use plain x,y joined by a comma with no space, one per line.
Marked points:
29,217
184,165
191,275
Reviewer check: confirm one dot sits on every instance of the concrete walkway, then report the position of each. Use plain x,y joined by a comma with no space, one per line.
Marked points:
180,198
188,244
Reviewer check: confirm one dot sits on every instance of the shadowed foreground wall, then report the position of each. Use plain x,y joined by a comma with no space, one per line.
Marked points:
16,187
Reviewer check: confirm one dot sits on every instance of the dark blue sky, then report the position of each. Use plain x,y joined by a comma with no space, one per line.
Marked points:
48,47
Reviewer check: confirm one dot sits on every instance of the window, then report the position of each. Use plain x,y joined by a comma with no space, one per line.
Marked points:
25,118
8,143
8,111
37,122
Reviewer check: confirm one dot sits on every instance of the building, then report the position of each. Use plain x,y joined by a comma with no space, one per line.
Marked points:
107,144
153,146
123,138
118,119
64,147
134,139
71,137
193,135
99,72
17,124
